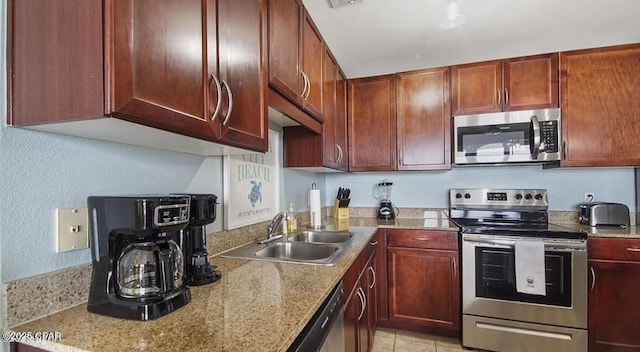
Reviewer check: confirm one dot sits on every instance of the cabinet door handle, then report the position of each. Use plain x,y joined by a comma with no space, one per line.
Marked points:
422,238
340,154
219,92
593,278
633,249
506,96
455,269
374,243
499,97
373,272
226,118
307,86
363,302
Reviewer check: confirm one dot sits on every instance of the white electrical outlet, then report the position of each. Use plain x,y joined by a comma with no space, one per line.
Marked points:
72,229
589,197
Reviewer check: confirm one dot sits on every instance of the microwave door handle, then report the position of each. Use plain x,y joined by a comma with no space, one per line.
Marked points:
535,129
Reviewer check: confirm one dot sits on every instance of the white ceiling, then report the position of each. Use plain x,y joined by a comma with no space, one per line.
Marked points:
386,36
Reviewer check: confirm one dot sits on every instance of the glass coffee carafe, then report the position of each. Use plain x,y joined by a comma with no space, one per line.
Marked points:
147,269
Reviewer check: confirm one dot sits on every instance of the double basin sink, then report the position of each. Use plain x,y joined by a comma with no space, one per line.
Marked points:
306,247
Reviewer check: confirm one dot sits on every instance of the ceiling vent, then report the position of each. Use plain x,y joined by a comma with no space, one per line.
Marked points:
343,3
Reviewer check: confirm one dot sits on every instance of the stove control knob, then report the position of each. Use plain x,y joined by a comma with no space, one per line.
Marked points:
458,195
538,196
467,196
528,196
518,196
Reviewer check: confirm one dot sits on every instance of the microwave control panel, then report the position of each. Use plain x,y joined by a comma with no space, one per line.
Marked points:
549,135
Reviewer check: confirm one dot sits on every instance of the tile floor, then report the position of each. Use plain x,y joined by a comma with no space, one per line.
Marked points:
389,340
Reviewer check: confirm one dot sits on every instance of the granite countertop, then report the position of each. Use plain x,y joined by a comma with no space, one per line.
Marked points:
255,306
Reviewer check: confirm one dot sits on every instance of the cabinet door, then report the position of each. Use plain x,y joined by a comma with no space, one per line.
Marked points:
157,77
351,312
341,121
372,296
424,119
285,49
613,307
312,57
364,337
531,82
242,48
330,125
424,288
476,88
67,35
372,124
600,92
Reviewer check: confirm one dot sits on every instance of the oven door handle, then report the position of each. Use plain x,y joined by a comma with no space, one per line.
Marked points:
512,244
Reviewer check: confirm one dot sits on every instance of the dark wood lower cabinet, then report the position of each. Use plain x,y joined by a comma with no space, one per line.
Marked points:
614,309
360,310
423,281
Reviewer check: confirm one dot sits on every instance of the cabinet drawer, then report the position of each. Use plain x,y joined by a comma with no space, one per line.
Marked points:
423,239
627,249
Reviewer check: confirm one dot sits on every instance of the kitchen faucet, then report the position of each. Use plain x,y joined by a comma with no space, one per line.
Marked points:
273,227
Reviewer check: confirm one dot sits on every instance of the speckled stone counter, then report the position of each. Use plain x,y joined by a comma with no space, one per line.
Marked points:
606,231
256,306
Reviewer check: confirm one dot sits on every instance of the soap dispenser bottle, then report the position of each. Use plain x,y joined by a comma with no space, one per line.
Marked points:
292,222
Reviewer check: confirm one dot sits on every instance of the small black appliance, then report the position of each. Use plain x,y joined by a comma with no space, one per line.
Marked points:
382,192
193,240
138,267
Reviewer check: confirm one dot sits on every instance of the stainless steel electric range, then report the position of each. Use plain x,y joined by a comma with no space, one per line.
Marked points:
524,279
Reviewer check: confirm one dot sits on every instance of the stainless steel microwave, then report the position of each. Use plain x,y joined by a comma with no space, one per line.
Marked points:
508,137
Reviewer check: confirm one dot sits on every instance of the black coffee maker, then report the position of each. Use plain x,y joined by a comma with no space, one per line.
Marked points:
193,240
138,267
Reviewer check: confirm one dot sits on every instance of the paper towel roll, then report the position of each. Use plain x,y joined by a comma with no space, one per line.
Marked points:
315,207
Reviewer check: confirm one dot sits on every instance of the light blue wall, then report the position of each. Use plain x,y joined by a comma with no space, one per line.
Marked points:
566,187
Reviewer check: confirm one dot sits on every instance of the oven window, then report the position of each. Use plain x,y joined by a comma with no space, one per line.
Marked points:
496,278
505,139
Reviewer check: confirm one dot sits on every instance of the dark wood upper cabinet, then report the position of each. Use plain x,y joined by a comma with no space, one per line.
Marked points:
600,90
243,24
157,77
296,52
285,50
198,87
313,56
61,82
372,123
476,87
173,67
531,82
305,149
613,311
423,119
503,85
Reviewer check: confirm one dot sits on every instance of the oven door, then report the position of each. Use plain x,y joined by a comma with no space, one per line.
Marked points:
489,285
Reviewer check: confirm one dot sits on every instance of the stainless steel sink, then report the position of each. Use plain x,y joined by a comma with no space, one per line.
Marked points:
298,251
289,252
322,237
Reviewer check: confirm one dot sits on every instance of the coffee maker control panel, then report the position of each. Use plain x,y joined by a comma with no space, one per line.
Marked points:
173,214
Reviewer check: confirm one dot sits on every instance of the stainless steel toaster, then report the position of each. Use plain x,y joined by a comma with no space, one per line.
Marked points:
603,213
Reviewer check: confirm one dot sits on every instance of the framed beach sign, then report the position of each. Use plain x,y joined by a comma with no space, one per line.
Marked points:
252,186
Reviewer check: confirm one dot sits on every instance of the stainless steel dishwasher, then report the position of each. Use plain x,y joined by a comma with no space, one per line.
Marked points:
325,330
